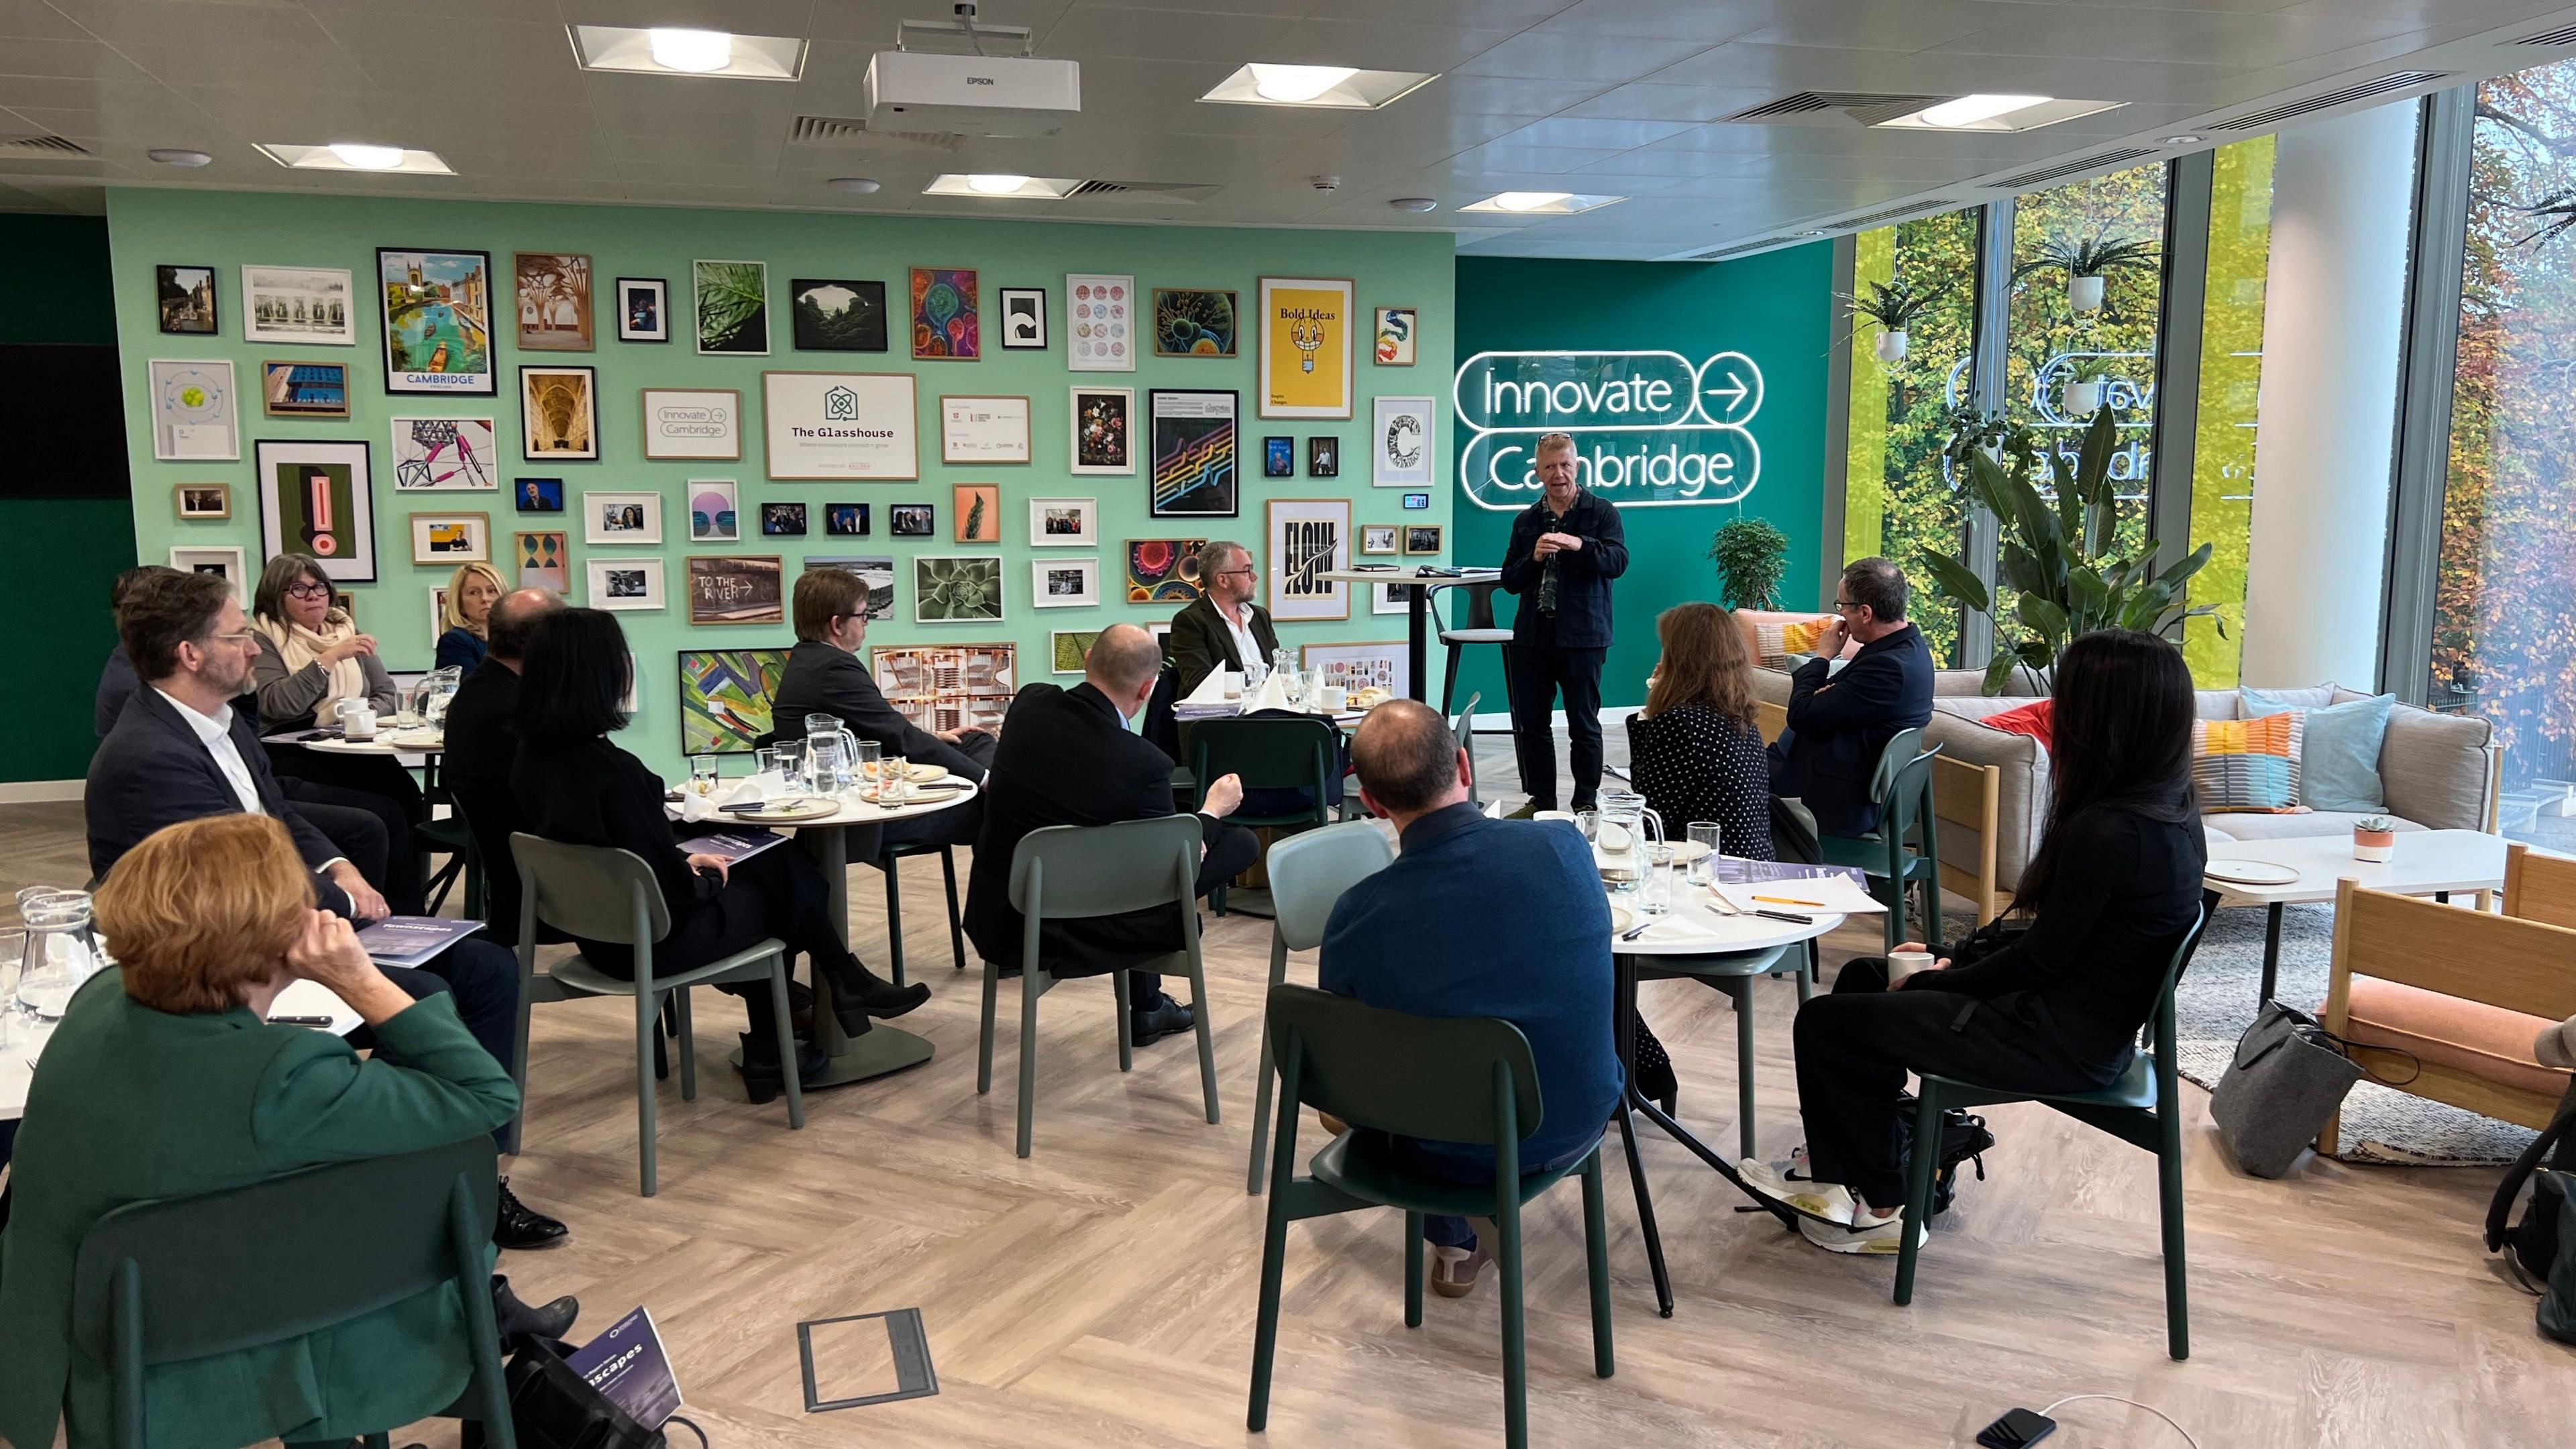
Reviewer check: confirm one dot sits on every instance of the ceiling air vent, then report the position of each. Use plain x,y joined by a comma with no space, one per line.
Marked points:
844,131
1737,250
2270,116
2563,35
38,146
1188,191
1906,212
2045,174
1833,108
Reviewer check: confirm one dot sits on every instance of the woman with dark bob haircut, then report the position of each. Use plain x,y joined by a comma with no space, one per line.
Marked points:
579,789
2053,1006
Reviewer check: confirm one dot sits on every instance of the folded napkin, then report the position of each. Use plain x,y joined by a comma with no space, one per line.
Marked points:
1211,690
1272,694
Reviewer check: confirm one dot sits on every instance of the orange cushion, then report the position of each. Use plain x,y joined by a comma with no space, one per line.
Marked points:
2033,719
2485,1041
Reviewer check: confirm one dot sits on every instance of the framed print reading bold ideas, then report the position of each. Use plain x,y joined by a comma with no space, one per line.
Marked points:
316,498
553,295
438,321
643,309
297,304
1104,434
841,425
692,424
1305,347
559,413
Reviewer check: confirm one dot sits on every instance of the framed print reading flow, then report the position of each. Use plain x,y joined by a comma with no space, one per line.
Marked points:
1651,429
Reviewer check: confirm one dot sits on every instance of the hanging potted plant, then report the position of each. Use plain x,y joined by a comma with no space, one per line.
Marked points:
2087,260
1893,306
2086,377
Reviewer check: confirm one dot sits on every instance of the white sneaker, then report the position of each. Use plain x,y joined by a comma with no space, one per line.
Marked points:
1885,1235
1829,1200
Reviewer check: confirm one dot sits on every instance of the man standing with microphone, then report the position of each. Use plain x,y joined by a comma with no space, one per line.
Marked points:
1565,550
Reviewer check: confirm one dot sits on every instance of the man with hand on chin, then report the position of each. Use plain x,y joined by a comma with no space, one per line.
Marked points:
1565,550
1840,721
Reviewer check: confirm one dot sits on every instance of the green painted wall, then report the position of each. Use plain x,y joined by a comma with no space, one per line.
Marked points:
1775,308
227,230
63,551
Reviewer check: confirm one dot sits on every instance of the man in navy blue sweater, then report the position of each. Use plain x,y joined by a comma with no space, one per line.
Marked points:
1479,917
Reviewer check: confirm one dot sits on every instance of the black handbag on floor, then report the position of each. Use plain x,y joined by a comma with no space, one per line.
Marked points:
552,1407
2288,1075
1964,1137
2541,1249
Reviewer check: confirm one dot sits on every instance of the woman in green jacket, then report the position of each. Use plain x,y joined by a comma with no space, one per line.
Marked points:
164,1079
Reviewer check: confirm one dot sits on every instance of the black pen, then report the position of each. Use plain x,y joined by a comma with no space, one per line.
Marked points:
299,1021
1785,916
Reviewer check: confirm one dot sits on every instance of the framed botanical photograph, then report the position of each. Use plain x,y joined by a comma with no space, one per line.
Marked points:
1323,457
224,563
1104,434
622,519
909,520
625,583
186,297
1421,538
451,538
734,589
874,570
553,296
1100,322
782,520
1394,329
438,321
193,411
1359,666
1400,442
945,324
1163,570
1024,319
732,307
1305,347
837,316
845,520
559,413
715,507
957,589
1191,322
977,507
693,424
298,304
1378,537
538,495
1309,537
304,389
1068,648
1278,457
1416,502
983,430
1195,471
1064,583
643,309
317,498
444,455
204,500
1064,522
828,425
544,561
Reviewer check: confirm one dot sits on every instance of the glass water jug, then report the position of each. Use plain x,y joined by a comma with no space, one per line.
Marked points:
1625,839
830,750
62,949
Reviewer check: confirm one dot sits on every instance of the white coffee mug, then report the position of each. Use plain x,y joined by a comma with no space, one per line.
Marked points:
1233,684
1336,698
1901,964
357,720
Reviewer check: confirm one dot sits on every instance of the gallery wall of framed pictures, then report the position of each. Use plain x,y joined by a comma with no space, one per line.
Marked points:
677,422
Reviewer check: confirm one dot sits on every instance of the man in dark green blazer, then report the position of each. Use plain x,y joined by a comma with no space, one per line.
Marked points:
1222,628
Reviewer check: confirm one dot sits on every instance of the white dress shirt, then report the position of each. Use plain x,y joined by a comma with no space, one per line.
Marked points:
1246,648
216,731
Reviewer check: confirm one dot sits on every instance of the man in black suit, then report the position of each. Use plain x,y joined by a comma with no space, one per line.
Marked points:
1565,550
824,676
1840,721
1222,628
180,751
1066,758
482,740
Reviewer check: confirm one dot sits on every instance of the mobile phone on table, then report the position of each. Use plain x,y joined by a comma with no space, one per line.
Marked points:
2016,1429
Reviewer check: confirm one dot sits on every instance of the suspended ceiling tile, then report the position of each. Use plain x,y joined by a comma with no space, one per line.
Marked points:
1103,30
1380,45
1671,19
67,59
1899,25
1574,57
1593,133
2236,41
1655,101
35,20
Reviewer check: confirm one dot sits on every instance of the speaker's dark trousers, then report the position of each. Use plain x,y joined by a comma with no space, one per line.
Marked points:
1540,673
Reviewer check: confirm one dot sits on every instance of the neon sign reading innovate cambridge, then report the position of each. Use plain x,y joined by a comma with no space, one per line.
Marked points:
1651,429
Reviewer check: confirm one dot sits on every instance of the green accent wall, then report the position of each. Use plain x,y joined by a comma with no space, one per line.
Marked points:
64,551
1775,308
227,230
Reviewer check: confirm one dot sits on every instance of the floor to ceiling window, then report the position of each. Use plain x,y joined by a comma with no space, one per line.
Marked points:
2231,379
1899,498
2504,635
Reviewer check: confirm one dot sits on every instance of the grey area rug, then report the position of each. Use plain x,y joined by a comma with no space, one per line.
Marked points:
2215,1005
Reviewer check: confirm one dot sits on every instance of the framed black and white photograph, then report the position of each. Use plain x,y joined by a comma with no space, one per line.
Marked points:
298,304
845,520
1064,583
621,519
1421,538
187,300
910,520
1323,457
625,583
643,309
782,520
1064,522
1378,538
1024,319
224,563
1400,442
204,500
837,315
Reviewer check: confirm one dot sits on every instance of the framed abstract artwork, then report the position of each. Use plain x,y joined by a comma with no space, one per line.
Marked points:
1024,319
725,698
1195,471
317,499
946,326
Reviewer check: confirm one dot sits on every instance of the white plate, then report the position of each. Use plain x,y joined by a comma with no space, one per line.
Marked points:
2250,872
1621,918
1679,852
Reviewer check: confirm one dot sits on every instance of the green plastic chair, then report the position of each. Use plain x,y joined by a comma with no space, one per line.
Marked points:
1734,975
179,1278
1905,849
1268,754
1447,1079
2143,1108
464,863
1308,874
598,893
1069,872
887,859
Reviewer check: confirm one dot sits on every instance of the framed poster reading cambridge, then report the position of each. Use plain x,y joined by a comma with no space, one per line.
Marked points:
841,425
438,321
315,498
1305,347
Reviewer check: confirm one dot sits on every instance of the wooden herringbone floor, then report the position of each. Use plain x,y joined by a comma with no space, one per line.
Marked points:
1102,1292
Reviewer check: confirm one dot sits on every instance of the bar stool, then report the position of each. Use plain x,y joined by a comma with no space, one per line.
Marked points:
1476,626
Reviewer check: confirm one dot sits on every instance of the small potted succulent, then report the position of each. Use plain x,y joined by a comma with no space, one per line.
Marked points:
1893,306
2374,838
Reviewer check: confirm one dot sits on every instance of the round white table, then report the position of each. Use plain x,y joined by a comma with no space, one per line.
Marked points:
18,1058
382,744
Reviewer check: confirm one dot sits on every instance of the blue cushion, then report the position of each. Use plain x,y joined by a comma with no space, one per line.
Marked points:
2339,758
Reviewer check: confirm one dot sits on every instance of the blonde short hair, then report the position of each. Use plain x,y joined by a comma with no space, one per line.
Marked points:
451,613
203,910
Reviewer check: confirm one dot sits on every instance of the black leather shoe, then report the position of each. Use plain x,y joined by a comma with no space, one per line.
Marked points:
518,1320
867,994
520,1228
763,1078
1165,1018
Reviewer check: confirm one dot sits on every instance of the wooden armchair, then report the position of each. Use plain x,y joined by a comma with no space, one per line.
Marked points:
2463,991
1965,797
2539,887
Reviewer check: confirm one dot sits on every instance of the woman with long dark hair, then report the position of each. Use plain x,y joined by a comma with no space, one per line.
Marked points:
2051,1007
577,788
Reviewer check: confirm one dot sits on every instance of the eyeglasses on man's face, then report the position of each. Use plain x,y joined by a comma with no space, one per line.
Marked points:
1242,573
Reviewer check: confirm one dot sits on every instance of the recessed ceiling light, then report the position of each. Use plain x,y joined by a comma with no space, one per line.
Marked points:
1819,231
1996,112
356,156
176,156
1541,203
2184,140
1333,87
998,186
856,185
1416,204
677,51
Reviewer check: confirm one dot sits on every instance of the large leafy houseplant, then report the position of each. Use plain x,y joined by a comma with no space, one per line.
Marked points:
2061,557
2086,260
1750,555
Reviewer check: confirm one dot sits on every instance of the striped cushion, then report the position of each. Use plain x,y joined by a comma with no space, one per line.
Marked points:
2249,765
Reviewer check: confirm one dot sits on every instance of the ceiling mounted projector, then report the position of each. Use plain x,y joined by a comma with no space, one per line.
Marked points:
942,93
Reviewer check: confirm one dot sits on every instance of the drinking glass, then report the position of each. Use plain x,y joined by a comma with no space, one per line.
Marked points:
1703,869
13,961
894,780
870,766
702,774
1254,672
1655,890
1292,686
764,761
1589,822
791,762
